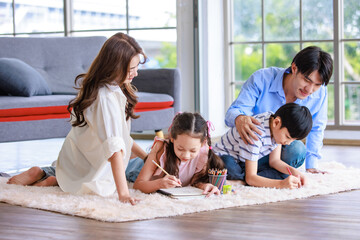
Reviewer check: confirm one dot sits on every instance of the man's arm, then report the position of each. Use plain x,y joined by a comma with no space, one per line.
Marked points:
314,141
240,112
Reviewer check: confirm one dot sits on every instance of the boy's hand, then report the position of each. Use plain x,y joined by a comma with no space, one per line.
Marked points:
302,179
169,181
290,182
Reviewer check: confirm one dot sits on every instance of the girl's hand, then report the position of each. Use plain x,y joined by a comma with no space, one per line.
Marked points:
210,189
290,182
169,181
129,199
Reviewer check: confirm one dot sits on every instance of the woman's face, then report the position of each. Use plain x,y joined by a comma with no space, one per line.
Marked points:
134,63
186,147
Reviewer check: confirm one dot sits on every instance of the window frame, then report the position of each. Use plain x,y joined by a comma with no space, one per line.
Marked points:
338,41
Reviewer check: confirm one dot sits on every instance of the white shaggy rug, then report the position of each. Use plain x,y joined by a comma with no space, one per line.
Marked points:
156,205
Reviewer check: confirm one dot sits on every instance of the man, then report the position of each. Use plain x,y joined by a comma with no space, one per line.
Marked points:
304,83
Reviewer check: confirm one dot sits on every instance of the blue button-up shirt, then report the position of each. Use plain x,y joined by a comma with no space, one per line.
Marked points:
263,92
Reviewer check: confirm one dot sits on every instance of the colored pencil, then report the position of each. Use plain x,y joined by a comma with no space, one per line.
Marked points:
161,168
289,170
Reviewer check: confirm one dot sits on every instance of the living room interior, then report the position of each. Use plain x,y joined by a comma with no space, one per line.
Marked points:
215,45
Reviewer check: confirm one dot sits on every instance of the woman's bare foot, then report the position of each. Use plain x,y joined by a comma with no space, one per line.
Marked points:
28,177
50,181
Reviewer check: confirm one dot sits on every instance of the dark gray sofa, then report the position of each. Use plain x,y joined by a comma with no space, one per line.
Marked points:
59,60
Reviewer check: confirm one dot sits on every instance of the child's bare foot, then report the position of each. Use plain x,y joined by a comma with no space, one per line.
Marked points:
50,181
28,177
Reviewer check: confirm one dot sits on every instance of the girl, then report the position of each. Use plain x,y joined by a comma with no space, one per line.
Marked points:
186,156
96,151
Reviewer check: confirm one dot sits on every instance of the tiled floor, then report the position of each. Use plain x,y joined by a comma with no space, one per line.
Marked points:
19,156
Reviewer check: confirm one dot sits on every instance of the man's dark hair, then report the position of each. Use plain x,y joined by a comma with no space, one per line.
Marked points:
297,119
313,58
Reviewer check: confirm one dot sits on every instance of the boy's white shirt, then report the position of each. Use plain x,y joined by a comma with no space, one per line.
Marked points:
232,144
82,165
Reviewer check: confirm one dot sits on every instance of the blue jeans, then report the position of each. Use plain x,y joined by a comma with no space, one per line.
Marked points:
133,169
293,154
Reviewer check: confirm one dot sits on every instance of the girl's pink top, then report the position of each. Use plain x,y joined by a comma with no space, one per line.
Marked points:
187,169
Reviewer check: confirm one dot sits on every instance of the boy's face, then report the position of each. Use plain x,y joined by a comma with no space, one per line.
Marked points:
280,135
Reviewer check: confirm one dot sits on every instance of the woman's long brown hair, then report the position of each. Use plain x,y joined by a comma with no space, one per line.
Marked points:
194,125
111,66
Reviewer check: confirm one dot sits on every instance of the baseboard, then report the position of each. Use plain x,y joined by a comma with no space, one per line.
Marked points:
342,142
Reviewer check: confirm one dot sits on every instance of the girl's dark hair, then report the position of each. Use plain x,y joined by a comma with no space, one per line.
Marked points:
194,125
297,119
313,58
110,66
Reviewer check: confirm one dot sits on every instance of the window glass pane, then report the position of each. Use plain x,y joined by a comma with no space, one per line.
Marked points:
159,46
351,18
237,90
282,20
280,55
325,46
6,17
247,20
94,14
352,103
248,59
331,104
150,14
96,33
317,19
352,61
39,16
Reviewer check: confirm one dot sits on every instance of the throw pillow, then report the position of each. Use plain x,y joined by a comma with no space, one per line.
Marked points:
19,79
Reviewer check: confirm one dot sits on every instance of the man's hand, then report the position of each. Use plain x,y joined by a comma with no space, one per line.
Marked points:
246,126
314,170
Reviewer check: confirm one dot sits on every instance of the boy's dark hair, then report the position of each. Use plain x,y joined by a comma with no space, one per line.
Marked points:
313,58
297,119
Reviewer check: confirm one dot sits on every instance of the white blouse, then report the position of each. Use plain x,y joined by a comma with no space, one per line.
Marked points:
82,165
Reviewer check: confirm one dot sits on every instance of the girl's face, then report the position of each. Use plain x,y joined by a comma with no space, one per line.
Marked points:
186,147
134,63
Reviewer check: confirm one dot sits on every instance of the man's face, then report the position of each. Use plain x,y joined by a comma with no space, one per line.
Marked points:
303,85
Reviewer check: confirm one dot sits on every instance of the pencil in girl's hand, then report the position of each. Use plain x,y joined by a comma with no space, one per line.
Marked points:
179,182
161,168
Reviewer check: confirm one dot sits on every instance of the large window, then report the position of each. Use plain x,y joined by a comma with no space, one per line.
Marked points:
270,32
152,23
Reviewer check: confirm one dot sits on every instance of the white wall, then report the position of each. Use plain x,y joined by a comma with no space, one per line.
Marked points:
185,52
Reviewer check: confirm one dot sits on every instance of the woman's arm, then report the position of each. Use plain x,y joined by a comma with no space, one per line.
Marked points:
118,170
145,181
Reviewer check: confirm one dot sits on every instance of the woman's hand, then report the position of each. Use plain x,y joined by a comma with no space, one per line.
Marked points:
129,199
169,181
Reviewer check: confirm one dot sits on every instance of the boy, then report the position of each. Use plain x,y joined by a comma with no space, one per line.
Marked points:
290,122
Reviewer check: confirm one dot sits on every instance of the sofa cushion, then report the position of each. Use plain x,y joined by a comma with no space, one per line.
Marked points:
153,102
15,109
19,79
